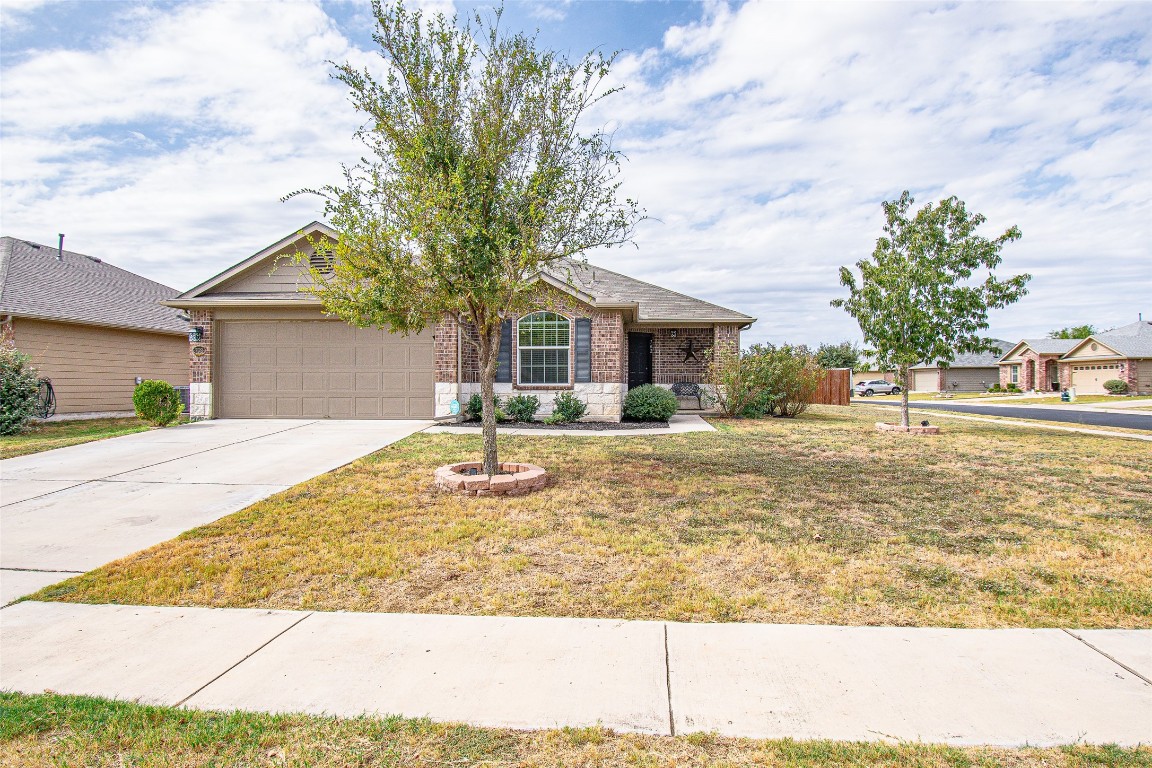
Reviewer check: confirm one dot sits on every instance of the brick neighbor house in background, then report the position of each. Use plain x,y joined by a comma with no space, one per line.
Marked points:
90,327
1124,353
265,349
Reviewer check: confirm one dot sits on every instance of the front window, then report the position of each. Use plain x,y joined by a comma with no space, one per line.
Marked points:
1015,374
543,339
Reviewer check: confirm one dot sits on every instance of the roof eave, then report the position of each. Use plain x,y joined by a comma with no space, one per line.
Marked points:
78,321
219,301
256,258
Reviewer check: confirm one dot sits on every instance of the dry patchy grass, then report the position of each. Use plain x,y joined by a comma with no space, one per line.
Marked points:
815,520
46,435
52,730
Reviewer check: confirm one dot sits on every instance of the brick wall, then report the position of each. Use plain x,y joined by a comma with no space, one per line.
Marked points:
671,361
200,352
1034,372
608,347
445,339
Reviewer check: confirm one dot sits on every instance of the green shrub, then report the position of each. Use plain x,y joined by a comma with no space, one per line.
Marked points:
157,402
472,412
566,407
18,385
764,379
1116,386
522,407
995,387
650,403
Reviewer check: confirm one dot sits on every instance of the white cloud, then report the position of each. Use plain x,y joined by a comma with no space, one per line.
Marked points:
767,152
762,140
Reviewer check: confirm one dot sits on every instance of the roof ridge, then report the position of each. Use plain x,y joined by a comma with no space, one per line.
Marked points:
668,290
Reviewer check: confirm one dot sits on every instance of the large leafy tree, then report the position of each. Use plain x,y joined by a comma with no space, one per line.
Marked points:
479,174
1074,332
925,293
842,355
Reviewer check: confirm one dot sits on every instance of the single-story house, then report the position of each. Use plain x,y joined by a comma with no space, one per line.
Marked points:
265,349
967,373
1034,364
92,328
1123,353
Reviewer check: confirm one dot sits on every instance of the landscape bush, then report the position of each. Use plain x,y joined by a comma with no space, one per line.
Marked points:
18,385
994,388
157,402
1116,386
764,380
522,407
650,403
476,404
566,408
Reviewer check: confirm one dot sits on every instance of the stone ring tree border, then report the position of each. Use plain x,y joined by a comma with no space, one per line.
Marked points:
514,480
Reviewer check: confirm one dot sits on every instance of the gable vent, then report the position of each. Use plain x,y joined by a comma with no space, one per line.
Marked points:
321,260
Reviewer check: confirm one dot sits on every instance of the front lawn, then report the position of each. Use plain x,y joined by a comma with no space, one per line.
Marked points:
76,730
814,520
46,435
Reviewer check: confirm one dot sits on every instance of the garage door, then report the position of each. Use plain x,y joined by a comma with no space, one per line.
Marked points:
926,381
1089,378
321,369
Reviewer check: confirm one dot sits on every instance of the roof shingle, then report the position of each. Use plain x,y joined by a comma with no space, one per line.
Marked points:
34,282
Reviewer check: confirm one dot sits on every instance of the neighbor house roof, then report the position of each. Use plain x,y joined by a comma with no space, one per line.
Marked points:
978,360
1133,340
591,284
41,282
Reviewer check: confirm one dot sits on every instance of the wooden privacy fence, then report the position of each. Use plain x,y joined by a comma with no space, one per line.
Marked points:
835,388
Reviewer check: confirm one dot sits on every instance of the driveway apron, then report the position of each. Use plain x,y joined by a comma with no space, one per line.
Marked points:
72,509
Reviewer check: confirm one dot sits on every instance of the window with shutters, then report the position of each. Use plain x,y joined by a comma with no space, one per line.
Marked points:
543,340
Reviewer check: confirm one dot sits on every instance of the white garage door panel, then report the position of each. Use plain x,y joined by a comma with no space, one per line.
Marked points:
322,369
925,381
1089,378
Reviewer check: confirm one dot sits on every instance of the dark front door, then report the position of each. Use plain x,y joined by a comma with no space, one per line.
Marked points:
639,359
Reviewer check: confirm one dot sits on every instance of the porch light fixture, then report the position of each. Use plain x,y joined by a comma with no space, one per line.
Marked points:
672,333
196,334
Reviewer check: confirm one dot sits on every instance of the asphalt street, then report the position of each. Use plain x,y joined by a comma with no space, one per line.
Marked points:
1082,417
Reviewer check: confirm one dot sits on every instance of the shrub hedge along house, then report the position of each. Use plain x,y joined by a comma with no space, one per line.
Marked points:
261,348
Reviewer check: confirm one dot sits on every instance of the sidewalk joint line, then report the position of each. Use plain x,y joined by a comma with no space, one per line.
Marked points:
78,483
668,685
185,700
1110,658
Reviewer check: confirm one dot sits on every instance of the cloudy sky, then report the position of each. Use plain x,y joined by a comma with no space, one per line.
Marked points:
761,137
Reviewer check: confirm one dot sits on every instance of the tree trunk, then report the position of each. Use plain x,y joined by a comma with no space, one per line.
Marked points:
489,361
904,396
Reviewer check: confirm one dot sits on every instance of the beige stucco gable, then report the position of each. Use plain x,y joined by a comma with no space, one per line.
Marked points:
1091,349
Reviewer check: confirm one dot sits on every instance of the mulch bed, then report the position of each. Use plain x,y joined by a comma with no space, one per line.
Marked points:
597,426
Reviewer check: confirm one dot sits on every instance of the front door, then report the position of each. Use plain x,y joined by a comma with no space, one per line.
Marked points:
639,359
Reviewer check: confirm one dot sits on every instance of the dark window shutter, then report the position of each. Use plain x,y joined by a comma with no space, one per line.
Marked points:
504,364
583,349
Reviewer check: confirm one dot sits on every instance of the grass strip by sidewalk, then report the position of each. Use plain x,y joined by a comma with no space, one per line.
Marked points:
46,435
54,730
816,520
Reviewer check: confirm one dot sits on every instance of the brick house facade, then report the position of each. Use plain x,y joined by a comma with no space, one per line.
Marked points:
267,350
1123,353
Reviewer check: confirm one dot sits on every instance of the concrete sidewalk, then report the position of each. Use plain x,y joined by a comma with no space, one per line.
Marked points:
1004,687
72,509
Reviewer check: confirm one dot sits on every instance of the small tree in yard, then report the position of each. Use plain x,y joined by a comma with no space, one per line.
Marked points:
477,177
916,299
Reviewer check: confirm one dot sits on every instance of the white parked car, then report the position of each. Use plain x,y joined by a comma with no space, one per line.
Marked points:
876,387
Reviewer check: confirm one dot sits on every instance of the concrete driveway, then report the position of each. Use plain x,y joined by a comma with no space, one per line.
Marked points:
70,510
